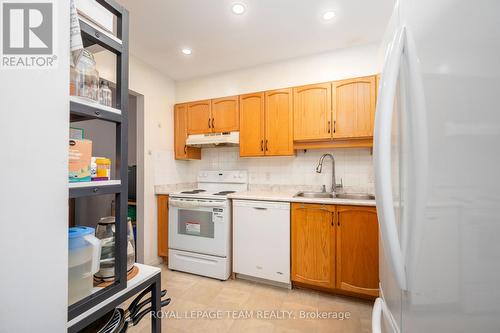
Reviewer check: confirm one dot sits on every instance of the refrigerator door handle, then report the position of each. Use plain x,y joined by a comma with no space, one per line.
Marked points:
377,316
380,309
382,156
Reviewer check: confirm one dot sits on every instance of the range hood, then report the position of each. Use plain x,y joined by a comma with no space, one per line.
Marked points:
214,139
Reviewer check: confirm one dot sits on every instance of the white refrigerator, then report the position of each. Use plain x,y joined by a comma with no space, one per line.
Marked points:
437,168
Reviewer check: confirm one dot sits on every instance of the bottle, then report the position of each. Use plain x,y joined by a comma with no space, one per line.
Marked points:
105,93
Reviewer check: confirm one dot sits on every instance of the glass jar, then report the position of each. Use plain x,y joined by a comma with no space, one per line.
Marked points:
105,94
73,74
86,76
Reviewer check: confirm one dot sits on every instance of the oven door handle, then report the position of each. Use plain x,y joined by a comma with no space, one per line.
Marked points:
195,203
183,203
212,204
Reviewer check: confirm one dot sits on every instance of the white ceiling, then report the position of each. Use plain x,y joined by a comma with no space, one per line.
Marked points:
269,31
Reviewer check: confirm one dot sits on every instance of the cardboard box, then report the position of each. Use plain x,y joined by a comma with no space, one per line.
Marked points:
93,11
80,155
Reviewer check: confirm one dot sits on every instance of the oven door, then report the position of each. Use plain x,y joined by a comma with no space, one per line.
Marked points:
198,225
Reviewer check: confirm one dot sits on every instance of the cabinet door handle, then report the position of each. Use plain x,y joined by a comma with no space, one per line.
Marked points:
266,146
334,126
262,145
323,208
209,123
213,122
185,149
329,126
338,219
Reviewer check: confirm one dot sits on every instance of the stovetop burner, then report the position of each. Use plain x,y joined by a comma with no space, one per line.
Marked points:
193,192
224,192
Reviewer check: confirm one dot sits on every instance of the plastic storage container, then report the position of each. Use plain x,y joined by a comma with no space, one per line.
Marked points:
103,168
83,262
106,233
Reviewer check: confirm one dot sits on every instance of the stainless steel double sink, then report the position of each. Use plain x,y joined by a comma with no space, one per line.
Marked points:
330,195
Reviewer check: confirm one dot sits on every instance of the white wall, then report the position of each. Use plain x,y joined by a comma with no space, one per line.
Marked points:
330,66
34,118
159,164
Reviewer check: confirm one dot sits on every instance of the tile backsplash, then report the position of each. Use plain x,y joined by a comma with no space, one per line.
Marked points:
353,166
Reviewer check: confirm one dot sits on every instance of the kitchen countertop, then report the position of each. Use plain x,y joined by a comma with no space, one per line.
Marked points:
289,197
171,188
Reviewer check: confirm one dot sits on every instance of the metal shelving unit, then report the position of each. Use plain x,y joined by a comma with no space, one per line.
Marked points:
82,110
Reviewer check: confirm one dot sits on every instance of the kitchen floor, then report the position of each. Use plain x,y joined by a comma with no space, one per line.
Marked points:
248,307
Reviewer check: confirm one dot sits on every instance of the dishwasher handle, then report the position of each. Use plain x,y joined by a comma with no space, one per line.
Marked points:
261,205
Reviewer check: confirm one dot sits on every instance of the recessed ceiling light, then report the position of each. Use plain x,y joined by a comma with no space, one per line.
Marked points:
328,15
238,8
187,51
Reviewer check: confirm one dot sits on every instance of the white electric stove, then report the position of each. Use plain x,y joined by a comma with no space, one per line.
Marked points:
199,229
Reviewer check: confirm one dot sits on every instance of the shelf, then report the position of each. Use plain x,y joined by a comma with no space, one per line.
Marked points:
82,109
145,273
95,184
84,189
96,35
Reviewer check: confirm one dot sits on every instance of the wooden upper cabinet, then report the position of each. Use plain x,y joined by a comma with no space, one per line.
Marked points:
357,250
252,114
225,114
162,206
354,107
313,245
312,110
199,117
279,123
183,152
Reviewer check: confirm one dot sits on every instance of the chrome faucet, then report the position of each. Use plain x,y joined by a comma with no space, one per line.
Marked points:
319,168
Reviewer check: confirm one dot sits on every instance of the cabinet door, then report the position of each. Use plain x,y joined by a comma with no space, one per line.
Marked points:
252,115
162,203
312,112
354,107
357,250
183,152
225,114
279,123
199,117
313,245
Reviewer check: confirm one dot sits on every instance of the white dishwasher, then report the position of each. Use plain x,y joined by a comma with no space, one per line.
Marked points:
261,240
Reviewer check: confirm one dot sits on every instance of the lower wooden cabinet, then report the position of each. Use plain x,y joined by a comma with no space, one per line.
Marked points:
313,244
162,206
335,248
357,250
